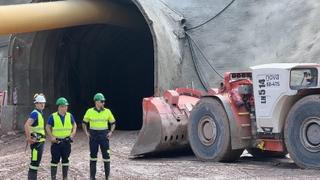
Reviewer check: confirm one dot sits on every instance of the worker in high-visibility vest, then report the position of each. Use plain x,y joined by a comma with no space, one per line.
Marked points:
61,128
35,134
97,120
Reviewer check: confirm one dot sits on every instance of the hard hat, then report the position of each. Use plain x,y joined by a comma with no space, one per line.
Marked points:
62,101
39,98
99,97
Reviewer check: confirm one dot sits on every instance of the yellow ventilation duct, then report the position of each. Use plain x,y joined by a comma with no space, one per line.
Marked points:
59,14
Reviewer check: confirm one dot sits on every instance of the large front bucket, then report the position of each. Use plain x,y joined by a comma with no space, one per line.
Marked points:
165,121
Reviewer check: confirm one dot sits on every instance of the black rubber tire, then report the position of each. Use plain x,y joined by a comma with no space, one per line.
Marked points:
220,149
303,109
258,153
232,155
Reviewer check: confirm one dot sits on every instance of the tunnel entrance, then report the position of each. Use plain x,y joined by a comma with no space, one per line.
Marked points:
80,61
77,62
115,61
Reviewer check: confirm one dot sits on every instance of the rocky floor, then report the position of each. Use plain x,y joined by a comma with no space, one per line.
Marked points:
14,163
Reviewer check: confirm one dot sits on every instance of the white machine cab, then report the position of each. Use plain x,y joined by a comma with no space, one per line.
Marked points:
276,87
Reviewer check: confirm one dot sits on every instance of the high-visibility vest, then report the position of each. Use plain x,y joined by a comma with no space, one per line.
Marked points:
39,129
60,130
98,120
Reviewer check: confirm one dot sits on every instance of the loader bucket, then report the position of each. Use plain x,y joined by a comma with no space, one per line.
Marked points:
165,121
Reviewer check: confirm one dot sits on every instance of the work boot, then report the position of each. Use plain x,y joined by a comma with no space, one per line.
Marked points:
32,174
93,170
54,172
65,172
107,169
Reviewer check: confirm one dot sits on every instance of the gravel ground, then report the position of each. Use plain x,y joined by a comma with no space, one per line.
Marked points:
14,163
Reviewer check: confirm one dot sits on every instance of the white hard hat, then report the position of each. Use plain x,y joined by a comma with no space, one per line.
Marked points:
39,98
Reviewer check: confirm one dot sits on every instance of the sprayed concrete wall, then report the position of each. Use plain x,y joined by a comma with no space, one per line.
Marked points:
7,115
4,43
254,32
3,79
246,33
3,63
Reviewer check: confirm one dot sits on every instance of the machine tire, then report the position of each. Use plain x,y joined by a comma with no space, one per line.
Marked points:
207,117
232,155
258,153
301,132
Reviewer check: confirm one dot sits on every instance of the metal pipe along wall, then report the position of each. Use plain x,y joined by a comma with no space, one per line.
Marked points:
59,14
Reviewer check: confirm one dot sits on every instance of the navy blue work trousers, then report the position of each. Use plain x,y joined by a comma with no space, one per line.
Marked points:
36,155
61,151
98,138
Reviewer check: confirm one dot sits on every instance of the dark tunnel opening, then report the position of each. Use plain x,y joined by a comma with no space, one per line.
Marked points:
77,62
115,61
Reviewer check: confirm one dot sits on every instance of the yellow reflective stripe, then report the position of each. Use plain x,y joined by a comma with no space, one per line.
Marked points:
33,167
54,165
98,120
65,164
96,128
106,160
93,159
34,155
108,151
63,129
61,137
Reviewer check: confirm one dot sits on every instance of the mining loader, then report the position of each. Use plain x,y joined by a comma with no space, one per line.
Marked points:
270,111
